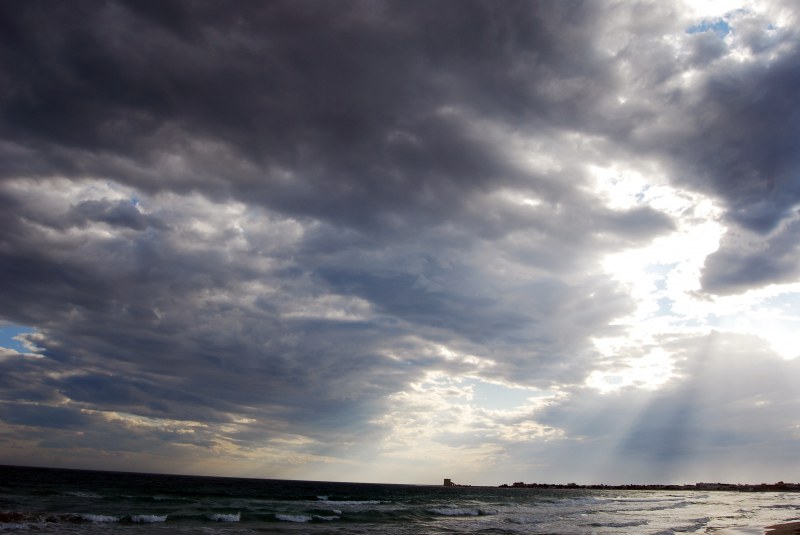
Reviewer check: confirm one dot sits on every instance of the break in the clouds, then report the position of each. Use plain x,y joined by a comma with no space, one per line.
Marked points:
401,241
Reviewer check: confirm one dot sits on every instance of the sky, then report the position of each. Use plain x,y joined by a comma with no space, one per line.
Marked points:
402,241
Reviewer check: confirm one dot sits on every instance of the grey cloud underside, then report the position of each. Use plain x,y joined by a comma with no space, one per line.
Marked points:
746,259
340,114
316,111
390,134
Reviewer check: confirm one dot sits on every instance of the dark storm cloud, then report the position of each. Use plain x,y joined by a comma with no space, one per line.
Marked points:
357,115
353,114
749,152
745,260
42,416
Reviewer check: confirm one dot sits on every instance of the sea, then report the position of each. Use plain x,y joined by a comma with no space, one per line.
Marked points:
46,500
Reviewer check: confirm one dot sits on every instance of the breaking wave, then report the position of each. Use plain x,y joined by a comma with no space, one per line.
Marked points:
293,518
218,517
147,519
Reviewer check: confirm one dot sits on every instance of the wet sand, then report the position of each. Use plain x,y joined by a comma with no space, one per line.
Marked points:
793,528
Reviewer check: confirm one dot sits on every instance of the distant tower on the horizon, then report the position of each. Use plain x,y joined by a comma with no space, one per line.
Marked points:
448,482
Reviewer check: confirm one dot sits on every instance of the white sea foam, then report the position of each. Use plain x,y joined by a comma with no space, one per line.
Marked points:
292,518
322,498
147,519
225,518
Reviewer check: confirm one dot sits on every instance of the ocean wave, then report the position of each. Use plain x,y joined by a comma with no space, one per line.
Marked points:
17,518
147,519
676,505
344,503
98,519
691,525
14,521
6,526
353,506
454,511
293,518
219,517
82,494
523,520
326,518
12,517
628,524
649,500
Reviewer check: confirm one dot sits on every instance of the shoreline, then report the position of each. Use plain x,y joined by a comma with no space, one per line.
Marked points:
787,528
790,528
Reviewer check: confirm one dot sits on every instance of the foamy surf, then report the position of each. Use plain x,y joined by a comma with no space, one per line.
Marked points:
99,519
293,518
147,519
219,517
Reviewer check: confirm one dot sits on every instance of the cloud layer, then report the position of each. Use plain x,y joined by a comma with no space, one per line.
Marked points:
336,239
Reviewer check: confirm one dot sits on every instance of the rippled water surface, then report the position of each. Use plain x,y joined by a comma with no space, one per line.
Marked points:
69,501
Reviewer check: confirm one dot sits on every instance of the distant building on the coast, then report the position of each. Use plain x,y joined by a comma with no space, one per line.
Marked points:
449,483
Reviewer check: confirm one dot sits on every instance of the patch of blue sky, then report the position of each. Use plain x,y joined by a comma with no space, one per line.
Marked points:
640,196
719,26
498,397
660,271
788,303
9,336
664,306
661,268
715,322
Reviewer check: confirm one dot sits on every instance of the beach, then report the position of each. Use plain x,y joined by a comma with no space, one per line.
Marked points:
789,528
792,528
